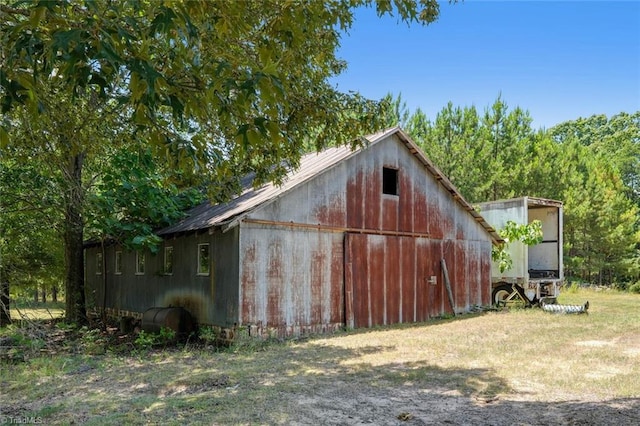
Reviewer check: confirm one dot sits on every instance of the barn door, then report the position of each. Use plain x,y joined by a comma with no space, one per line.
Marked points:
387,279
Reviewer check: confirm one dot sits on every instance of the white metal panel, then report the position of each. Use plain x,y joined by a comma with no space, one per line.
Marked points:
544,256
498,213
549,218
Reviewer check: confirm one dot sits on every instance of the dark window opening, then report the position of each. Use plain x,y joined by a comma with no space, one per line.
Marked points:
389,181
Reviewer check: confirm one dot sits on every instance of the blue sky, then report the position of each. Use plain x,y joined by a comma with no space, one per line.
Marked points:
558,60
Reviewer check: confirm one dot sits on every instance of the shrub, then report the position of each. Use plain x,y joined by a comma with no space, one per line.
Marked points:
146,340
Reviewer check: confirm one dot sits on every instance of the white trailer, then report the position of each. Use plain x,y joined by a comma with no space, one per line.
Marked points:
537,273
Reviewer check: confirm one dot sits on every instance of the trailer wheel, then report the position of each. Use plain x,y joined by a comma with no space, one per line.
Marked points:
500,294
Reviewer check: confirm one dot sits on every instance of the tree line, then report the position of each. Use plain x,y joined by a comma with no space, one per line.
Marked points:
591,164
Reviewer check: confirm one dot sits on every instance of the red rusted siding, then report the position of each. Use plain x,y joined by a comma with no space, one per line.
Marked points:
376,276
421,283
335,312
373,195
474,274
405,202
393,282
390,213
317,278
408,282
355,195
336,250
449,255
249,281
436,288
274,289
420,213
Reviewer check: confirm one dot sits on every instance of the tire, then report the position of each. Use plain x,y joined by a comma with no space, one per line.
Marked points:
500,294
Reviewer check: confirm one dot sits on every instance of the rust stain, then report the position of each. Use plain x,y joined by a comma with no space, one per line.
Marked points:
376,277
485,268
393,281
359,279
407,262
274,285
355,194
420,213
461,286
473,273
373,194
336,283
405,208
332,214
390,206
422,274
449,255
249,284
437,290
318,261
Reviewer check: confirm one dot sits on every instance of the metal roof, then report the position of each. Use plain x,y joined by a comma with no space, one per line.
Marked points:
227,215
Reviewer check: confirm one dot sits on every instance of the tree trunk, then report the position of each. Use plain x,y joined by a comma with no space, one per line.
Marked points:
5,312
36,294
54,293
44,294
73,243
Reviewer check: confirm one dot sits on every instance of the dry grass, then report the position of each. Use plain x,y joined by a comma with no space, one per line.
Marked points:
523,366
27,310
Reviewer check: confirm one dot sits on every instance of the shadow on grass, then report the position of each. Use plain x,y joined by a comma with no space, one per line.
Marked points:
289,383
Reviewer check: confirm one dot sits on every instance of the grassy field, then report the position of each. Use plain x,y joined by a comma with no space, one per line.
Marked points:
37,311
503,368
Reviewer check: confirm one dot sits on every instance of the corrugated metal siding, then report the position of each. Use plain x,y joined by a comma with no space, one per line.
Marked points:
291,280
385,277
211,299
389,278
283,270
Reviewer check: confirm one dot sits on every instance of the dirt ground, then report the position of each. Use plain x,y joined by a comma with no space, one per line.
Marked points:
185,388
476,370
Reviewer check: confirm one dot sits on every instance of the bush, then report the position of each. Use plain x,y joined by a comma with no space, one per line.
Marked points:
208,335
635,288
148,340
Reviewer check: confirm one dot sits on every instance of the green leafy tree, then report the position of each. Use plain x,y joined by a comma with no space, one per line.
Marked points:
506,134
617,139
133,196
219,89
397,112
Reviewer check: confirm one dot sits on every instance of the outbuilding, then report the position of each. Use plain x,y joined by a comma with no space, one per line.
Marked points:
352,238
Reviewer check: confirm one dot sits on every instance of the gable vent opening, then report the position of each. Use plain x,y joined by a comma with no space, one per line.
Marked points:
389,181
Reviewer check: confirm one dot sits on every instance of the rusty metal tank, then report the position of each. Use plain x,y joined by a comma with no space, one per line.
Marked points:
175,318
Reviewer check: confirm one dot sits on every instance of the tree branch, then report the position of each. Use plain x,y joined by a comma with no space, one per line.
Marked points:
13,11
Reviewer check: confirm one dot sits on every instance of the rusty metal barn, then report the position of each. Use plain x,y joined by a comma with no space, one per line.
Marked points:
351,239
